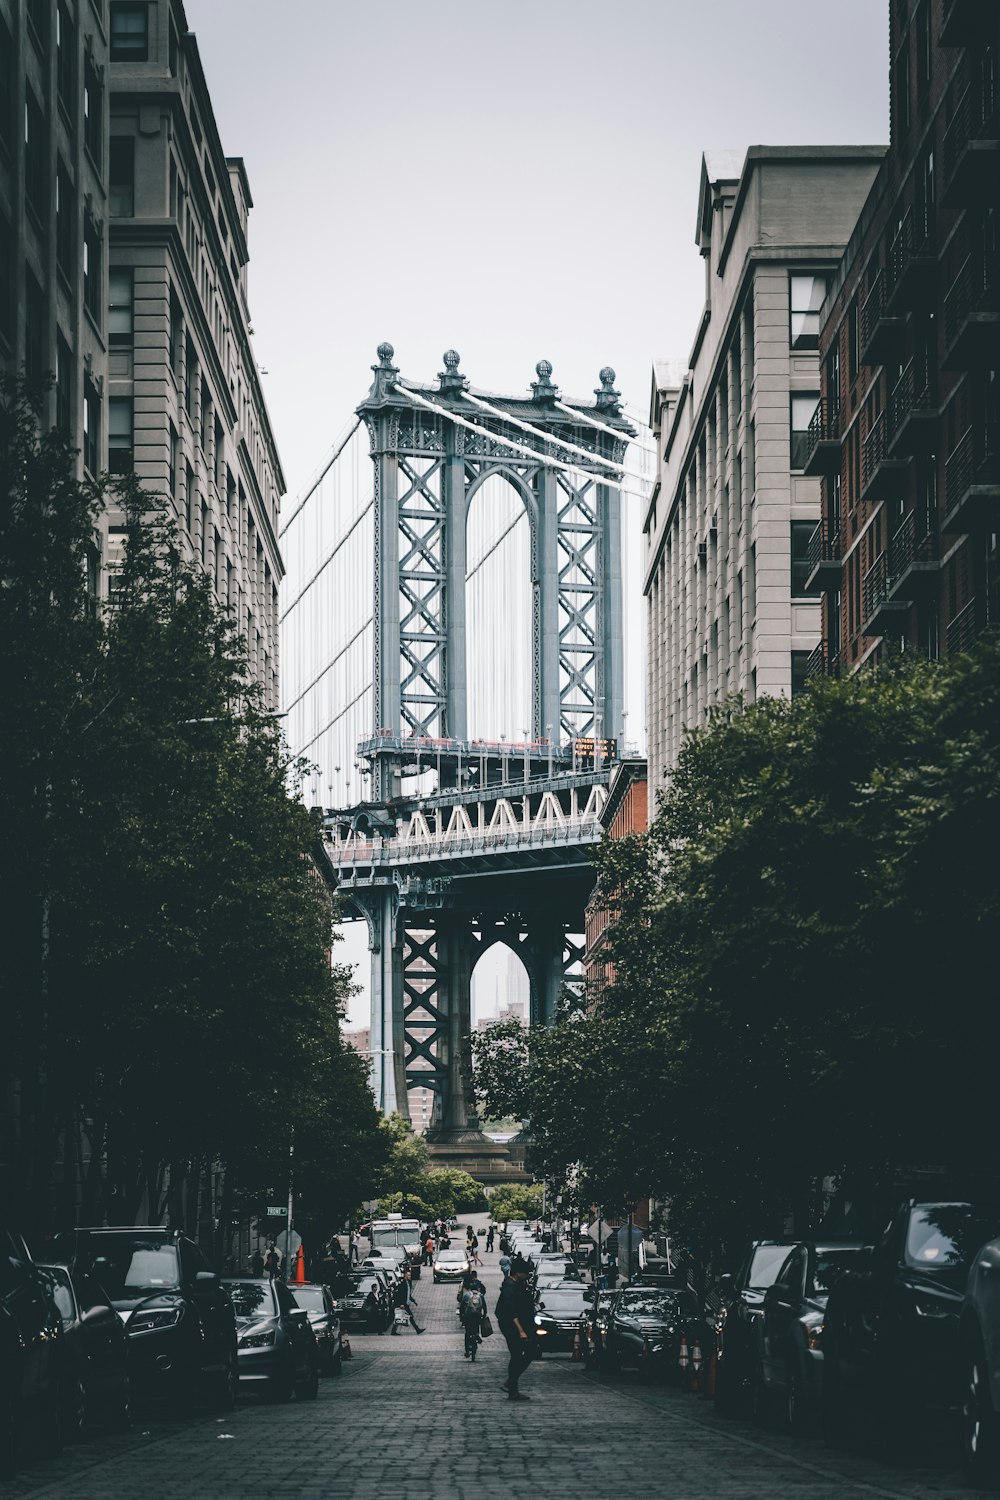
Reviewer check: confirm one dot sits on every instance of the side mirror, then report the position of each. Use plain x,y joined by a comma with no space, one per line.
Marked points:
89,1316
726,1284
205,1278
775,1293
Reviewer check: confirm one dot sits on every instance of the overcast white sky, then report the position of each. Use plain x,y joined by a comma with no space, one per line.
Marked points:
515,179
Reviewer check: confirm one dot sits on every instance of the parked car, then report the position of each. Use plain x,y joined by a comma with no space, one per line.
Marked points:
179,1320
277,1346
561,1316
740,1299
96,1388
596,1348
645,1327
449,1265
979,1368
788,1363
367,1305
32,1354
892,1332
317,1301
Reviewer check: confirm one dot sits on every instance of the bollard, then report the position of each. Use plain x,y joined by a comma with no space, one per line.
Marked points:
682,1359
696,1367
577,1353
345,1347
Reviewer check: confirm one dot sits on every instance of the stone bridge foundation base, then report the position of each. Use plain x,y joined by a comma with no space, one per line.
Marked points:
489,1162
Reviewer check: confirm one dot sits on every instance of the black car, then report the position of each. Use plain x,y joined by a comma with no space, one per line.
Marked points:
364,1306
788,1365
32,1354
891,1334
179,1320
645,1328
561,1316
277,1347
97,1388
596,1348
317,1301
739,1302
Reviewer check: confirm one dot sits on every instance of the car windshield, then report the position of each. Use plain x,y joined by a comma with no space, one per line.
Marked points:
649,1304
309,1297
251,1299
126,1266
62,1296
767,1262
342,1286
396,1236
831,1265
452,1258
566,1297
364,1285
942,1235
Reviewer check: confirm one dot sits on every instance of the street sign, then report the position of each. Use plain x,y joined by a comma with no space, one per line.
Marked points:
277,1213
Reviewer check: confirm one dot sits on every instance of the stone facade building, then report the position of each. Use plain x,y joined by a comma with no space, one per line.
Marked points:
123,272
730,515
624,813
908,436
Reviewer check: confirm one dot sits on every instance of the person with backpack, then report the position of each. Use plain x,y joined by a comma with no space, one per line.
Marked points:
472,1311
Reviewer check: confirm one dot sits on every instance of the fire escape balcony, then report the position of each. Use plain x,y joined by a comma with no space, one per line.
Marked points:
914,563
823,662
912,411
882,611
881,333
964,22
824,558
882,474
963,629
972,483
971,149
912,261
822,455
972,314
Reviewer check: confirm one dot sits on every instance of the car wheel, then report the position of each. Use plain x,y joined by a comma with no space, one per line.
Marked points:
281,1386
796,1408
437,1281
121,1410
224,1393
337,1363
980,1426
9,1442
308,1388
74,1415
759,1396
727,1390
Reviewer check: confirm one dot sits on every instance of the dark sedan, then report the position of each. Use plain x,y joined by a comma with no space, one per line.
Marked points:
276,1344
645,1327
96,1388
561,1318
32,1354
598,1319
891,1335
316,1301
365,1307
740,1299
788,1367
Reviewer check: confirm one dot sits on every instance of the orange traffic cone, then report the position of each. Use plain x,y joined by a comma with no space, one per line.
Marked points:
345,1347
299,1274
577,1354
696,1366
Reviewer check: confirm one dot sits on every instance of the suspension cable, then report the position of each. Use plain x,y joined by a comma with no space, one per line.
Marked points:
547,437
320,476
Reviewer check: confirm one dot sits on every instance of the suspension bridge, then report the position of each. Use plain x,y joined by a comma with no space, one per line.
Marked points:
453,652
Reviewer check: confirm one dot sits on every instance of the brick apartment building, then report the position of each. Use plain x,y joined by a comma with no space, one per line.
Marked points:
907,436
624,813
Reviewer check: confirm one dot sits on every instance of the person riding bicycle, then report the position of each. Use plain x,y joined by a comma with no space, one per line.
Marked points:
471,1311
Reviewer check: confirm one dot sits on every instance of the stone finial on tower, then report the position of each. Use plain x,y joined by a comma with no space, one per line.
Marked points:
453,382
608,399
385,372
544,388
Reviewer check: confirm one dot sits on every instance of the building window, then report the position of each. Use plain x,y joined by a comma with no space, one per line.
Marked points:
65,59
190,376
176,332
852,340
36,183
800,672
806,294
172,459
91,430
803,407
833,373
801,532
172,49
121,177
922,33
189,498
92,113
34,328
38,16
121,296
64,222
64,385
129,33
92,271
120,454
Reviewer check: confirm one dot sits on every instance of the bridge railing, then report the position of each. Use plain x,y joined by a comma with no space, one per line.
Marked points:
385,851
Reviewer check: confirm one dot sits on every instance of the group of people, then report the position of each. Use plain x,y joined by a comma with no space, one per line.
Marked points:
515,1310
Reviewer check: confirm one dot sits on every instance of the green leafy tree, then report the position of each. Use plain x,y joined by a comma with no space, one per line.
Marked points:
516,1201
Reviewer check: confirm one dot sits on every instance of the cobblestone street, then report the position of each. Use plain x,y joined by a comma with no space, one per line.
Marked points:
410,1414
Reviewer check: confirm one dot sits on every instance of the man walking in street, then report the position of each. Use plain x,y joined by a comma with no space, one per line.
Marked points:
405,1301
515,1313
489,1239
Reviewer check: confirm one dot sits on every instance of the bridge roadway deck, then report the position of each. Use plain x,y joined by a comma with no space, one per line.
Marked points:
410,1417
